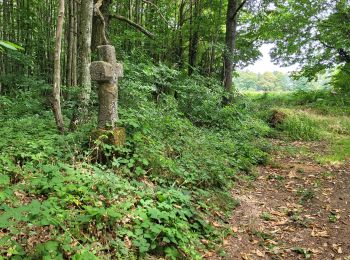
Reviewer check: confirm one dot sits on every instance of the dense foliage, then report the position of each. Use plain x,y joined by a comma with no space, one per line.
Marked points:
162,193
277,81
318,39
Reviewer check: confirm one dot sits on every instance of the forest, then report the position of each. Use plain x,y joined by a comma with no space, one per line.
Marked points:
132,129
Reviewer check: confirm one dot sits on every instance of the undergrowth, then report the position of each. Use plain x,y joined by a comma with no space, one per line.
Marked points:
323,102
320,115
165,193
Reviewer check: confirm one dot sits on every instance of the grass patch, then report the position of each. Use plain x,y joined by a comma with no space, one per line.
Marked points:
339,152
298,125
266,216
306,195
311,116
306,253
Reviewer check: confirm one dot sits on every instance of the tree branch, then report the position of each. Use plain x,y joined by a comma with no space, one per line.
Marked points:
327,45
239,8
100,15
133,24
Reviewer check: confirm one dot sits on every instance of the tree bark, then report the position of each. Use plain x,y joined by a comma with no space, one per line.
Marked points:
194,36
56,93
215,38
75,44
84,58
70,37
230,40
180,47
99,26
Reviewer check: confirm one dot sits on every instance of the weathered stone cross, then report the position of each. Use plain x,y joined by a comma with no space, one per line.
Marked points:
106,73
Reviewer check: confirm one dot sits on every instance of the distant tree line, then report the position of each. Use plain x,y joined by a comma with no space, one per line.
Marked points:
278,81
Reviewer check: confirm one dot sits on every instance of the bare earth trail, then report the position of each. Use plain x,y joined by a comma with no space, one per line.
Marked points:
296,209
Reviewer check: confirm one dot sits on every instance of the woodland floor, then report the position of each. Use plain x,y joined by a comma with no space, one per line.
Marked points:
296,209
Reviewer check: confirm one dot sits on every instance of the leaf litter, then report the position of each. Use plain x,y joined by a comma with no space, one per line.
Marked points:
303,213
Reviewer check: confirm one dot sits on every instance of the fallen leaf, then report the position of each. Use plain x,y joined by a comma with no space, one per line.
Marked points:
323,233
205,242
259,253
245,256
215,224
208,254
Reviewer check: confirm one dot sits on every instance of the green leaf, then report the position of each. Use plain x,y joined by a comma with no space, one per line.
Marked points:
84,256
172,253
11,45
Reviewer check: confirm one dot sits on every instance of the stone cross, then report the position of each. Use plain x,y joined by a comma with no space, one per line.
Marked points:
106,73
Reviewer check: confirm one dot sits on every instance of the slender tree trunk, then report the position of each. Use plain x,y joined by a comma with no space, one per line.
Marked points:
69,52
2,32
230,40
86,12
5,33
180,48
97,25
56,102
194,36
75,44
215,37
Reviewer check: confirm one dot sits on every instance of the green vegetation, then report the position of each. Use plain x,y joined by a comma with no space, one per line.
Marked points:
299,126
68,191
159,194
333,217
266,216
309,116
167,189
277,81
306,253
306,195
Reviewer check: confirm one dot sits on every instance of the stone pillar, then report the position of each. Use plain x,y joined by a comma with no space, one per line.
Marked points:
106,73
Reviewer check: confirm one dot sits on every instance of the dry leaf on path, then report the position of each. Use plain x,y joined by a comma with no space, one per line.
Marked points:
245,256
259,253
322,233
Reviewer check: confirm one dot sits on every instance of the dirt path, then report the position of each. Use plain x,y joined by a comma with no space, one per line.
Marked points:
296,209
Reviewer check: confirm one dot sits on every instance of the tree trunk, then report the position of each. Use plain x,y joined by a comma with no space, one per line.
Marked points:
56,102
75,44
194,36
230,40
69,53
84,58
215,37
98,27
180,47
